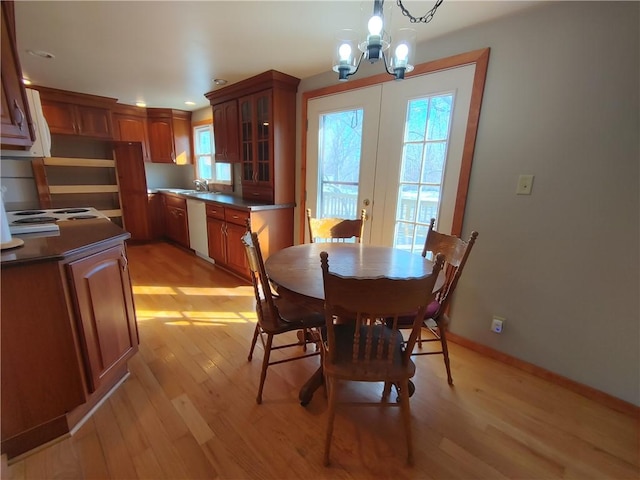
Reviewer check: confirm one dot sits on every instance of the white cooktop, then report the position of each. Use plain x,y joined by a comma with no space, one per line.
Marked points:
46,220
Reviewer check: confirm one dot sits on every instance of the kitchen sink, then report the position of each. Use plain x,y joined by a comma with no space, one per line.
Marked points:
188,192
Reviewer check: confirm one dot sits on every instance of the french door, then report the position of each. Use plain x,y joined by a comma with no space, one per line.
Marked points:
394,149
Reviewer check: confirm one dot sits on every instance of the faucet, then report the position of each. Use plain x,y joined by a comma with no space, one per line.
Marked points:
201,185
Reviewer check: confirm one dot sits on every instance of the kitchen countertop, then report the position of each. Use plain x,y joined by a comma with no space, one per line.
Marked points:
74,237
221,198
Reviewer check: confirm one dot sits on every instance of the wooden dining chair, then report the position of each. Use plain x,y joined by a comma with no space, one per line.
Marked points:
456,252
364,349
276,315
336,229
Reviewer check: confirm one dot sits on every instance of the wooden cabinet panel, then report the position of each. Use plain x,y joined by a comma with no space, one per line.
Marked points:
130,128
105,306
175,220
15,118
225,228
217,240
132,182
71,113
236,256
41,376
94,122
225,132
169,135
60,117
161,141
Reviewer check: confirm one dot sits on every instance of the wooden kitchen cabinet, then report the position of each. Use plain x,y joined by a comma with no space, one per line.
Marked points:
107,322
267,111
225,228
225,132
134,200
15,117
130,125
175,219
66,348
170,136
72,113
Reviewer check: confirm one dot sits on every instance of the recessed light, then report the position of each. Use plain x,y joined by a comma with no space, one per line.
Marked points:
26,81
41,54
141,104
189,103
219,81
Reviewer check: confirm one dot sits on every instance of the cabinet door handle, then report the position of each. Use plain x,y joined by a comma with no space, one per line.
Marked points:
19,114
125,262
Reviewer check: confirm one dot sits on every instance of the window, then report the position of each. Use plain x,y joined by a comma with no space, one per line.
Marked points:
206,167
426,138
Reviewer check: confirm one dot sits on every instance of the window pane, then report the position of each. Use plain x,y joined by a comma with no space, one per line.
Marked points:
434,163
205,170
416,124
439,117
340,148
411,163
223,172
203,140
426,137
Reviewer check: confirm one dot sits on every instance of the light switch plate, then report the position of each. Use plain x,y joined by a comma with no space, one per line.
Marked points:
525,182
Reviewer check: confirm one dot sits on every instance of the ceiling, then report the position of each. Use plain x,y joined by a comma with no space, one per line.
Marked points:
167,52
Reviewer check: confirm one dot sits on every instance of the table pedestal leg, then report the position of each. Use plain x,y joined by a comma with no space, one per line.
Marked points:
307,390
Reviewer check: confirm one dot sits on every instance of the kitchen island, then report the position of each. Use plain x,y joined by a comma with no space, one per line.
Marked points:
68,329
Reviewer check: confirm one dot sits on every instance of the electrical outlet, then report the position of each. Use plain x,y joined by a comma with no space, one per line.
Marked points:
525,182
497,324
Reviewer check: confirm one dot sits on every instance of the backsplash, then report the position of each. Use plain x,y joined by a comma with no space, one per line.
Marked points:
161,175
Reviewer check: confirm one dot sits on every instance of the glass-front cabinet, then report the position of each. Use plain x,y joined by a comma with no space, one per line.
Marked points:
257,145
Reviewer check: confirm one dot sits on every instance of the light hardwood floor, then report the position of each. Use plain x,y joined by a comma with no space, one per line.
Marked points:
188,409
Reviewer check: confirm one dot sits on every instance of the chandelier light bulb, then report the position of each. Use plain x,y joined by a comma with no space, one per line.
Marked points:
344,52
375,25
402,52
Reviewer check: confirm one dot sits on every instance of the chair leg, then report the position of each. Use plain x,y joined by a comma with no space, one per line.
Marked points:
445,352
386,391
330,417
406,419
256,332
265,365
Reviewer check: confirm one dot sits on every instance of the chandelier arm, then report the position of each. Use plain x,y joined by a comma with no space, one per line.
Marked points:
386,67
357,66
426,18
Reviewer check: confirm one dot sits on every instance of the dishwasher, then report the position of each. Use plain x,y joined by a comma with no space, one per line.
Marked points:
198,228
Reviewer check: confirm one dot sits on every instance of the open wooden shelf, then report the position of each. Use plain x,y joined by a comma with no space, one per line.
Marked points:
78,182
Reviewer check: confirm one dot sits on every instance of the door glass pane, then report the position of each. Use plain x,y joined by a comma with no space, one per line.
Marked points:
424,153
339,155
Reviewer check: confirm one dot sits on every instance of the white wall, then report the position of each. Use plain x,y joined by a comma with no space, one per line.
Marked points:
562,265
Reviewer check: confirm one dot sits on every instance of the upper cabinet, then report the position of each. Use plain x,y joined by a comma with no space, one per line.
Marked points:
225,132
130,125
169,135
266,129
16,126
70,113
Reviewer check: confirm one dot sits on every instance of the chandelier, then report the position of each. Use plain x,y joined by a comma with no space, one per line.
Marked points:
377,44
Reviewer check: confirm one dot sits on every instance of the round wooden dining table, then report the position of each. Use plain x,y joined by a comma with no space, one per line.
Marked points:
296,274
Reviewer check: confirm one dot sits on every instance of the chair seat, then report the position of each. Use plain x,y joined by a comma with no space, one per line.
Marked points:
292,317
407,320
372,370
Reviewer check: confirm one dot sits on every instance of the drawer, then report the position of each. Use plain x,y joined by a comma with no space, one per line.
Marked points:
239,217
215,211
173,201
257,193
